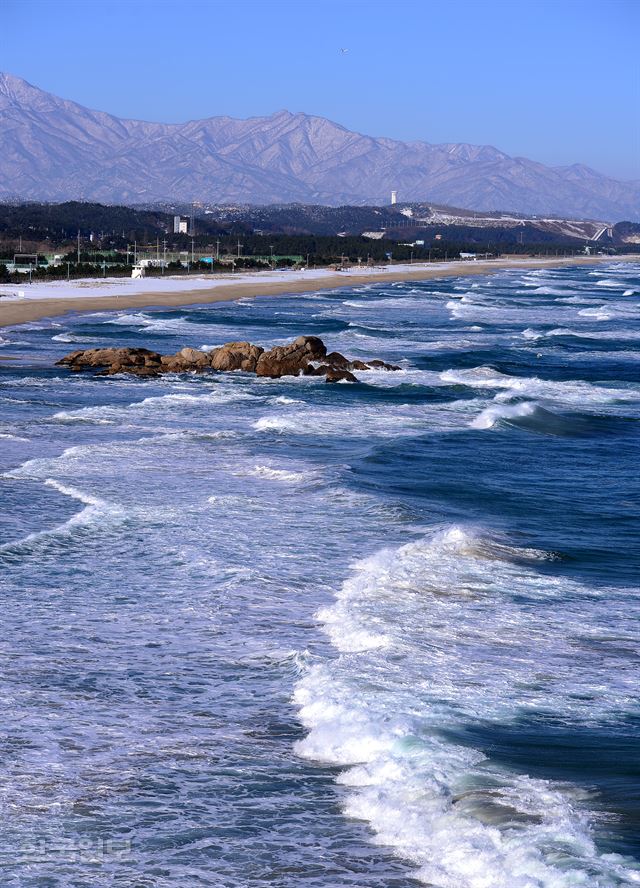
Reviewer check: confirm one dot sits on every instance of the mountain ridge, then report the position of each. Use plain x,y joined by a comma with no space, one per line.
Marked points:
56,149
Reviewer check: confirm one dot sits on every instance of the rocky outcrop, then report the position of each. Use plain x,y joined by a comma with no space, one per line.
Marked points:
236,356
335,375
335,359
294,359
140,361
307,356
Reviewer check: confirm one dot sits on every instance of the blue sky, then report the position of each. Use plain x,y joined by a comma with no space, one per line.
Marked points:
558,82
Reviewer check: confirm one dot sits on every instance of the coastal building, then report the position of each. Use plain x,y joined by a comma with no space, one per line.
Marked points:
394,197
153,263
180,225
475,256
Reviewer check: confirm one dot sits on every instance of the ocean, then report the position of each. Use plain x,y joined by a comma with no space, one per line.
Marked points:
283,633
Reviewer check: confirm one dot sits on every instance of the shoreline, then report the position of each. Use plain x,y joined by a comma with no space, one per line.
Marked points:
14,312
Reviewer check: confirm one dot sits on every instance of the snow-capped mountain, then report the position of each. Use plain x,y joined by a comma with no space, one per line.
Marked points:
53,149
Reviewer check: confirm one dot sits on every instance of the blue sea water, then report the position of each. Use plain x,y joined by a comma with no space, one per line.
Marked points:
281,633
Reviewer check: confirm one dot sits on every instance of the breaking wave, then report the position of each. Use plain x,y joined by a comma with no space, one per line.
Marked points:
574,391
431,638
96,515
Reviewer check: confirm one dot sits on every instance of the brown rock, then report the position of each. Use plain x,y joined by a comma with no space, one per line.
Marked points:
322,370
381,365
236,356
306,355
171,364
135,369
185,361
292,359
127,358
335,359
339,375
193,358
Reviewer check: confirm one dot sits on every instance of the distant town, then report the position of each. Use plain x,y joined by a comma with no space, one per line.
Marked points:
77,239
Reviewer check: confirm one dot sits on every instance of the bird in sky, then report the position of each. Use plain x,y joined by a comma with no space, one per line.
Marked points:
343,51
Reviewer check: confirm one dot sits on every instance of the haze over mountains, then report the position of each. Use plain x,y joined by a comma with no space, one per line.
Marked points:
53,149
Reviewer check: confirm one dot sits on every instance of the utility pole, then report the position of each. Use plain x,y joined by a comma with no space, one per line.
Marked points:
192,259
217,249
78,246
68,264
239,246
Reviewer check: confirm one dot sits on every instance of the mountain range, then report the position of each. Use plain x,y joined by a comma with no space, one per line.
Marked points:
53,149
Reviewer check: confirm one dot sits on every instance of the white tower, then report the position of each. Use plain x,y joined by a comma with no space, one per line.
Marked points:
394,197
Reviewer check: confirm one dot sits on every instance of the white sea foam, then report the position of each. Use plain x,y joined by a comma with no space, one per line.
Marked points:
72,337
160,404
74,493
96,515
533,335
187,435
277,424
551,291
492,415
570,392
283,399
434,635
282,476
616,334
395,421
614,310
153,323
93,415
127,320
602,313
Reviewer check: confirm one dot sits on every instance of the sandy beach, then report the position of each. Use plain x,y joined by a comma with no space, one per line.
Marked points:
21,304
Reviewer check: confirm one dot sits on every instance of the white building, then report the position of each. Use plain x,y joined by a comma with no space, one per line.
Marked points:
180,225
